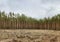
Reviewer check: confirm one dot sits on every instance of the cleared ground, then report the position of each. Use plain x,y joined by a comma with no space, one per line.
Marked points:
25,35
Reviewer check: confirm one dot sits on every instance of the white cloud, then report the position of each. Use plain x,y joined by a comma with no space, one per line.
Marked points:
4,6
33,8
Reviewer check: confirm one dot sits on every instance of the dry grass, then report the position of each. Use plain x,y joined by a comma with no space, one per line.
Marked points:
29,36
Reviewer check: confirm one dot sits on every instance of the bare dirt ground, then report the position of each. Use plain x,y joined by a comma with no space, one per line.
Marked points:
24,35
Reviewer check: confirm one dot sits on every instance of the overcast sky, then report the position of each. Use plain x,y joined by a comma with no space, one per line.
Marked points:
33,8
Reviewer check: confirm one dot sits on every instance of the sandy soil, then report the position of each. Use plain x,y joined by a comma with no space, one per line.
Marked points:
24,35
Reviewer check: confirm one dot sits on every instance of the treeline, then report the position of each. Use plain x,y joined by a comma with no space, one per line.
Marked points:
16,21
